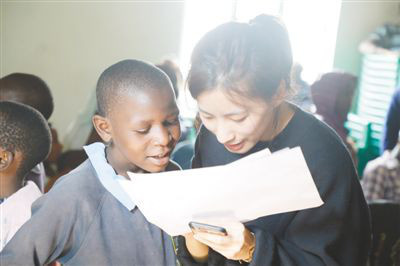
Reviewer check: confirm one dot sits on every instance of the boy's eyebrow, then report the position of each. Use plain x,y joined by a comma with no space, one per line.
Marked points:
176,112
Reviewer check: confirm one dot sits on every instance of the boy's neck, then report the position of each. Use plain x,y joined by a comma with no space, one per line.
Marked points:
120,168
9,185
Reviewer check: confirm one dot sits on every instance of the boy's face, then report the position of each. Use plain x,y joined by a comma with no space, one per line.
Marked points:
9,164
144,129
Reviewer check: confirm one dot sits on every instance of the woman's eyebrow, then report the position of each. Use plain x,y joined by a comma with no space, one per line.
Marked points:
203,111
241,112
238,112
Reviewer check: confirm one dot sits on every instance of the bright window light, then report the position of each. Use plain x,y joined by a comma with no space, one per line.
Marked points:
312,26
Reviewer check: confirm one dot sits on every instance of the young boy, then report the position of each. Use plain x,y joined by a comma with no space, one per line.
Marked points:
24,142
33,91
87,217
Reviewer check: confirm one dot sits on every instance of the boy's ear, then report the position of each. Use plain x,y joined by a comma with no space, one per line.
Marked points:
6,158
103,127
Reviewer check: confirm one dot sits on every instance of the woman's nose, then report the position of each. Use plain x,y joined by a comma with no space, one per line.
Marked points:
223,134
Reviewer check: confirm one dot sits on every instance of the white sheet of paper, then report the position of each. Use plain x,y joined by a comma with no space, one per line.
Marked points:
250,188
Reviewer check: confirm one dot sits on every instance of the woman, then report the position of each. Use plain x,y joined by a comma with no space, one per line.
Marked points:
240,78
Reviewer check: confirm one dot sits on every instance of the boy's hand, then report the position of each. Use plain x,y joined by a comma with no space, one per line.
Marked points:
239,244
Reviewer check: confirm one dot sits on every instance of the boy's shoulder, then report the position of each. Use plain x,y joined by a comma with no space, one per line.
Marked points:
79,185
78,176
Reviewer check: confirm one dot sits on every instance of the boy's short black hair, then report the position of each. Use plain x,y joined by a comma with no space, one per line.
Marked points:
27,89
126,77
24,129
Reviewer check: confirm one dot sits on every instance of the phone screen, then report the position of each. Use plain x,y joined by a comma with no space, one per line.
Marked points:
207,228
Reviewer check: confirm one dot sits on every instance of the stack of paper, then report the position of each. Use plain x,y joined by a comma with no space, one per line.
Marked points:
255,186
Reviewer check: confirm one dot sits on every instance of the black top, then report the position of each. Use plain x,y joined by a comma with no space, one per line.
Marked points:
336,233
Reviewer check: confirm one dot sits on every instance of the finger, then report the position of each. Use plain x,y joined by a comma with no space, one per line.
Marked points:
220,248
211,244
217,239
188,235
229,252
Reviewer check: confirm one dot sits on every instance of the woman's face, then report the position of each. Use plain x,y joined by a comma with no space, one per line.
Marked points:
238,122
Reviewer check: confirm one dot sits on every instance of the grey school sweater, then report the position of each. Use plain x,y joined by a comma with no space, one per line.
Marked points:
79,222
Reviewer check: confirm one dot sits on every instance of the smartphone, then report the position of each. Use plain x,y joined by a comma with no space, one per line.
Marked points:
207,228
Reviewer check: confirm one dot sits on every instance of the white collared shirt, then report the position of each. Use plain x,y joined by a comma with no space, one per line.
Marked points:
16,210
117,185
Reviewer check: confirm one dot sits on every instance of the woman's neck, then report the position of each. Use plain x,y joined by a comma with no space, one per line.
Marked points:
284,113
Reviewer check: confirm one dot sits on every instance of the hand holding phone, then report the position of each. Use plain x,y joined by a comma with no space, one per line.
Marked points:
207,228
240,244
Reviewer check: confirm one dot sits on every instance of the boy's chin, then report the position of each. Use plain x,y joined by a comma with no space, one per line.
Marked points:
156,168
155,165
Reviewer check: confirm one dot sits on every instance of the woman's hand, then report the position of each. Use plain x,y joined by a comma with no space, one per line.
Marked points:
198,250
239,244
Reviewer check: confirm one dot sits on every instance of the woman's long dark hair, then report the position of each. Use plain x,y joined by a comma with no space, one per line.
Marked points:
250,59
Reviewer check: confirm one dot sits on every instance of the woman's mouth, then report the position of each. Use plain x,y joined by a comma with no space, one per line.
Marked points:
234,147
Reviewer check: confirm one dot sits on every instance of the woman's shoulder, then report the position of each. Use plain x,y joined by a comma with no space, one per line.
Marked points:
320,144
308,130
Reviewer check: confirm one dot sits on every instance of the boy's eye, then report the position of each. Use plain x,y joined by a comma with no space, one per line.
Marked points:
172,121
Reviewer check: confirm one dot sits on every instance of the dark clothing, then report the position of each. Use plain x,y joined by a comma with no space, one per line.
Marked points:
392,124
337,233
79,222
332,95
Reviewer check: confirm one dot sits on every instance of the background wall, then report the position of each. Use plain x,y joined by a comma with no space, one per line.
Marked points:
357,20
68,44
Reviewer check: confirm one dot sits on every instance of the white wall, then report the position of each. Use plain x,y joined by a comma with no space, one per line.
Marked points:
69,44
357,20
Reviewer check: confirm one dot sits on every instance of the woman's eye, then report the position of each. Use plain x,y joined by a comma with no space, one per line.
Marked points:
206,117
239,119
142,131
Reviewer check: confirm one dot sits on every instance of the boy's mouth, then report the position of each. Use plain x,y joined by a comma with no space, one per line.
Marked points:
160,159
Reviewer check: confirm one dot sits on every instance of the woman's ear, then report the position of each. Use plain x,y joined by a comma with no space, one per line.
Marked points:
6,159
280,94
103,127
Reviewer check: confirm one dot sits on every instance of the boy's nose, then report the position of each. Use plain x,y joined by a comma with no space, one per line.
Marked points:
162,136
